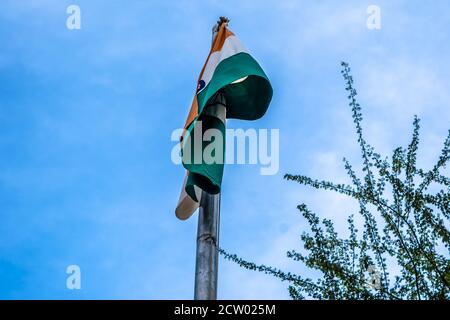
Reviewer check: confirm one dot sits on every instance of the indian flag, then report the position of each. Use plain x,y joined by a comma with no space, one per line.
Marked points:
231,85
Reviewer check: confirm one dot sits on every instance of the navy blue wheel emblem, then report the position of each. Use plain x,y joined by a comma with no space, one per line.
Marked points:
200,85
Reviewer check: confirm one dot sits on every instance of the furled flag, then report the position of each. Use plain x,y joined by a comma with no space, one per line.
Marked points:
231,85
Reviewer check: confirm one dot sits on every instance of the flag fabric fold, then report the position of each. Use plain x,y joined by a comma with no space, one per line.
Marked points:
231,84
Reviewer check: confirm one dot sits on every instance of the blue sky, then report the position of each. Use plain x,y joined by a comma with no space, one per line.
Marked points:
86,116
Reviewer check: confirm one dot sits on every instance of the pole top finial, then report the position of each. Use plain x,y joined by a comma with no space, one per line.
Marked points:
217,26
222,20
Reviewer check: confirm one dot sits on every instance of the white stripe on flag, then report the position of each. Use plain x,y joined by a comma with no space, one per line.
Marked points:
231,46
186,205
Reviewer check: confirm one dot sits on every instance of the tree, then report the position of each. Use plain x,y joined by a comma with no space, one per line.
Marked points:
404,225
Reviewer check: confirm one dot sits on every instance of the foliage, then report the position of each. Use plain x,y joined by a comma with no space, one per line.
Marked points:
403,249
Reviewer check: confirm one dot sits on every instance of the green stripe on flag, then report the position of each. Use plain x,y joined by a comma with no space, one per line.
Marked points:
247,100
207,176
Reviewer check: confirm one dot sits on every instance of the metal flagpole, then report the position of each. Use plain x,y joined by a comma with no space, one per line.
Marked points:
207,256
207,247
